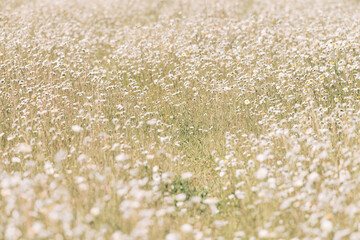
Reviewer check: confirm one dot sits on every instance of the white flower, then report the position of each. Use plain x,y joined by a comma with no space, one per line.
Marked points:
81,158
95,211
341,234
87,140
196,199
186,228
186,175
37,226
48,167
220,223
355,236
261,173
122,157
156,178
15,160
326,225
211,202
119,106
239,194
155,168
239,172
261,157
118,236
180,197
323,155
285,204
24,148
60,155
298,182
239,234
263,233
77,128
172,236
151,121
313,177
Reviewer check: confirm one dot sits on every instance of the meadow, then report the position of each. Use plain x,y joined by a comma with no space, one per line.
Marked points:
179,119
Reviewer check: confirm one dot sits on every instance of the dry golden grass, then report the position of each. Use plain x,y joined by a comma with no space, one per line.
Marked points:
179,120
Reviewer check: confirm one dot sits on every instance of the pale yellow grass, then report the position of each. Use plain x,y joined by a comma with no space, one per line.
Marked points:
259,101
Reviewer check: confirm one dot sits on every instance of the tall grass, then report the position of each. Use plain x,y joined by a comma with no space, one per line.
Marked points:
179,119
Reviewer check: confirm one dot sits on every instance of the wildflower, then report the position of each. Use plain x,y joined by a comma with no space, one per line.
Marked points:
326,225
336,99
77,128
247,101
261,173
186,175
172,236
122,157
187,228
220,223
212,204
119,236
48,167
60,155
95,211
156,178
15,160
240,234
151,121
298,183
263,233
313,177
341,234
239,194
24,148
180,197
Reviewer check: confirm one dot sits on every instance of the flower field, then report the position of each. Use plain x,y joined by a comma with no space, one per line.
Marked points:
179,119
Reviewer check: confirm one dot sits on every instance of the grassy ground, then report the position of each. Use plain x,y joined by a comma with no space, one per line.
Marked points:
179,120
